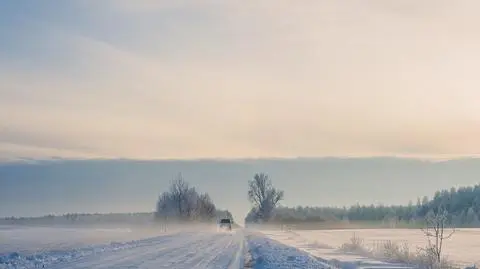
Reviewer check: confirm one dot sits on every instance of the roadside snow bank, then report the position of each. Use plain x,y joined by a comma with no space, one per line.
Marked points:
265,253
331,256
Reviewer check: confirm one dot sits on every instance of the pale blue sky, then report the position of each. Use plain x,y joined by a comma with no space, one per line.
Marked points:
194,79
133,186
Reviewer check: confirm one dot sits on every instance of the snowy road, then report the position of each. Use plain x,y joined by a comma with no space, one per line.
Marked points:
188,250
182,250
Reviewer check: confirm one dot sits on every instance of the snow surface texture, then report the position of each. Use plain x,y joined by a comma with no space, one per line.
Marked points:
197,249
31,240
328,255
202,248
462,248
266,253
181,250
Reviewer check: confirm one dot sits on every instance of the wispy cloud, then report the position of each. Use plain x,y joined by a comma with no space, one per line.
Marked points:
188,79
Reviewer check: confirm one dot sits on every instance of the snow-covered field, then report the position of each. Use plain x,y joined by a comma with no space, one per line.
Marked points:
56,248
462,248
200,247
28,240
328,255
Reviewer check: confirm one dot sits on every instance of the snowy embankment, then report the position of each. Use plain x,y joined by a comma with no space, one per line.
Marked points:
461,250
328,255
265,253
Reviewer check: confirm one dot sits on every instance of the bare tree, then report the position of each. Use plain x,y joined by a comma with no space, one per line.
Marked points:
190,204
179,189
184,203
206,208
436,223
165,209
263,196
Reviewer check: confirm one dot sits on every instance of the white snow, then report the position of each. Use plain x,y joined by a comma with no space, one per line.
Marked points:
197,249
30,240
58,248
270,254
462,248
328,254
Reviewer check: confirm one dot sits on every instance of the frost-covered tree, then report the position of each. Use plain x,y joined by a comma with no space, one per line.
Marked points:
437,230
263,196
183,203
471,217
205,207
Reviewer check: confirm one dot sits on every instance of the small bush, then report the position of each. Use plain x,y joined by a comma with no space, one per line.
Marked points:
425,258
395,252
356,245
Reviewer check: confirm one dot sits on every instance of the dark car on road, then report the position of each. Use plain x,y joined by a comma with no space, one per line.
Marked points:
225,224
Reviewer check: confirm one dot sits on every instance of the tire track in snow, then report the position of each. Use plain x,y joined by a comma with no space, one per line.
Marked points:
189,250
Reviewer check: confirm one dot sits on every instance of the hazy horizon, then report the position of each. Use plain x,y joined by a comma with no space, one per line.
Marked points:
91,186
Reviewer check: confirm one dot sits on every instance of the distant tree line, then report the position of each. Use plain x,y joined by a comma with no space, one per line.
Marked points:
180,203
462,205
107,219
83,219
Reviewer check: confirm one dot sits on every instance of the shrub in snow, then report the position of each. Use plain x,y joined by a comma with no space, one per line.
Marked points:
356,245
